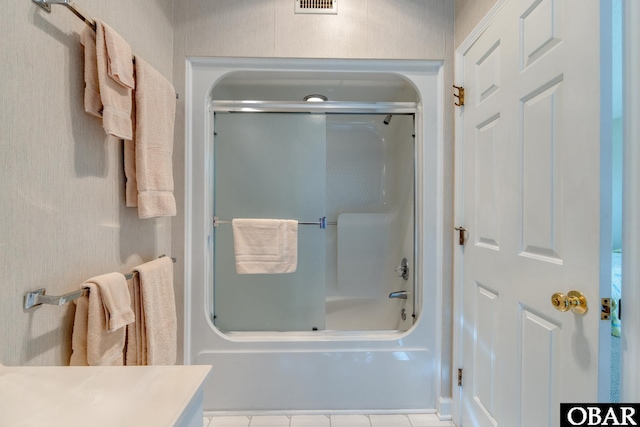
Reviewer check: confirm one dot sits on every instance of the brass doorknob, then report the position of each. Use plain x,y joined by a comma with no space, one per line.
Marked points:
574,301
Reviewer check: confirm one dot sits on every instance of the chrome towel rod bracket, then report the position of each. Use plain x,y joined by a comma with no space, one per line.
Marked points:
46,5
39,297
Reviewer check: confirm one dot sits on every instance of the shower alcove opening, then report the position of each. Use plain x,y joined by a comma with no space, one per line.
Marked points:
337,335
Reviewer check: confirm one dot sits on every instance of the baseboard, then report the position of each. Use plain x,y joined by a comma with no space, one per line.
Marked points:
325,412
443,409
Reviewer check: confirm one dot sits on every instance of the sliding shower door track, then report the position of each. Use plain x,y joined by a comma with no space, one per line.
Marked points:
399,108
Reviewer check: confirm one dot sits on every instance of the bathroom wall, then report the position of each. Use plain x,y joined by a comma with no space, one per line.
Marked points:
467,15
367,29
61,180
61,187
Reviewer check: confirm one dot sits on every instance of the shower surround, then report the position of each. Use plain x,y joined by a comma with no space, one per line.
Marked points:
391,370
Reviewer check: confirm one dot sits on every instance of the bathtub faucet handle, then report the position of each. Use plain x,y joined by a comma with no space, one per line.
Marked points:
403,269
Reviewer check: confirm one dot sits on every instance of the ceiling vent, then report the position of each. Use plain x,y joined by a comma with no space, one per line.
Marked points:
316,6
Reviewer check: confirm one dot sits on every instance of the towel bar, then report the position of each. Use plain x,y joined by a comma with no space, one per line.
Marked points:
46,5
38,297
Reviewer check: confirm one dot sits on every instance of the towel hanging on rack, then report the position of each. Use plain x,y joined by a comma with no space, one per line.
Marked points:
99,325
265,246
39,297
46,6
322,222
116,98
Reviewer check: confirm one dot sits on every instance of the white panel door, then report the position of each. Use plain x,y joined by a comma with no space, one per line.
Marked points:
531,203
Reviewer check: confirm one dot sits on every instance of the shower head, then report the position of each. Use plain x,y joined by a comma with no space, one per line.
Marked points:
387,119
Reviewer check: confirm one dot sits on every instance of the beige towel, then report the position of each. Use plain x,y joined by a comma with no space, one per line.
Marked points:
119,58
153,341
265,246
131,343
79,336
116,99
115,299
92,101
155,117
136,346
107,306
131,183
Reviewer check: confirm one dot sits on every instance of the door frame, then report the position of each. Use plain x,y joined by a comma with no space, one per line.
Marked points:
630,377
458,212
630,381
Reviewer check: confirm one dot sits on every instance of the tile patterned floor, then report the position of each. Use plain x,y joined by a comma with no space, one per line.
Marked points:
397,420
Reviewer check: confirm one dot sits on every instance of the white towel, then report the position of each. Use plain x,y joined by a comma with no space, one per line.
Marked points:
265,246
155,108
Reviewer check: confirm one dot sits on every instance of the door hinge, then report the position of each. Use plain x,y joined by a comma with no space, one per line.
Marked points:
461,235
459,95
460,377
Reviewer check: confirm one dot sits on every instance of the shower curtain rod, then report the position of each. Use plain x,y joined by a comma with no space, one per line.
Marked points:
38,297
322,222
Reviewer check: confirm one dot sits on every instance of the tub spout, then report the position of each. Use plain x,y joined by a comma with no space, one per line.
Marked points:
398,294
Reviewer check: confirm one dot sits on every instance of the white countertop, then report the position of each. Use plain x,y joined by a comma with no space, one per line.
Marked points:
97,396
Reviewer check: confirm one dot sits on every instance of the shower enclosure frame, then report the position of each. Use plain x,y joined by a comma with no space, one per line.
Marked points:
328,108
377,371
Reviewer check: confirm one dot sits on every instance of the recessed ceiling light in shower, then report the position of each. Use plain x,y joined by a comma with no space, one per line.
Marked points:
315,98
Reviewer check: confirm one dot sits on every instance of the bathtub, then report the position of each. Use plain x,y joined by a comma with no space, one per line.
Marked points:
358,361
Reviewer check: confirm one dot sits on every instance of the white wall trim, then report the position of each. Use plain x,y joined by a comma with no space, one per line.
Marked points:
443,408
295,412
439,241
188,194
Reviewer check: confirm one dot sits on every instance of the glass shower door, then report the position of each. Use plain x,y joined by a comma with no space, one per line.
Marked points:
270,165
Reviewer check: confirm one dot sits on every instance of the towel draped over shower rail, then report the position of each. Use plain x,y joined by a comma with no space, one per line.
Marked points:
322,222
38,297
